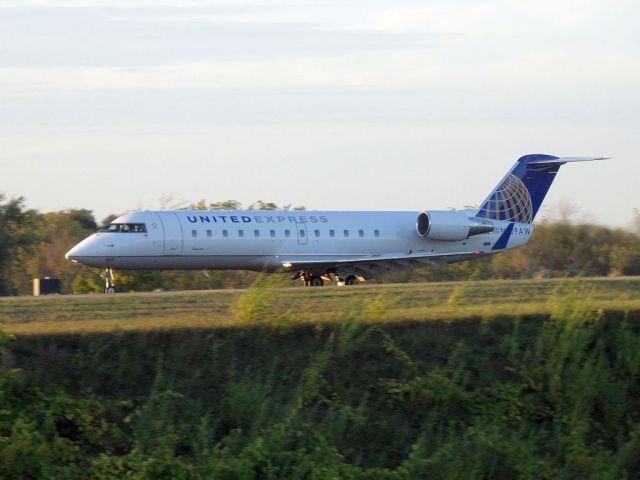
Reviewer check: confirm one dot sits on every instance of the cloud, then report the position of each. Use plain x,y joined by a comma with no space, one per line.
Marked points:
108,38
119,3
500,17
537,71
298,72
457,52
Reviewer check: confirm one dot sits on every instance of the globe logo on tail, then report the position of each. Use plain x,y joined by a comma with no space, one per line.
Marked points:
510,201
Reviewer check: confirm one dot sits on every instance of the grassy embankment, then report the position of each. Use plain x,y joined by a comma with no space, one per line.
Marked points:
215,309
468,380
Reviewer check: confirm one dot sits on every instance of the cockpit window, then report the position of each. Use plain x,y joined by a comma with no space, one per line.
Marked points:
114,227
125,228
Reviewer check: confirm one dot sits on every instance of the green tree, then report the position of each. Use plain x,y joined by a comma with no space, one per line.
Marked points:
260,205
109,218
236,205
226,205
17,238
58,232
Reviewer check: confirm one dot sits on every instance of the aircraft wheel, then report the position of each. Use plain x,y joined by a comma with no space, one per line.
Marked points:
110,290
350,280
316,281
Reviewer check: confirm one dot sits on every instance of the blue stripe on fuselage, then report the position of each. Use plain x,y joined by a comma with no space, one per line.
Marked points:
501,244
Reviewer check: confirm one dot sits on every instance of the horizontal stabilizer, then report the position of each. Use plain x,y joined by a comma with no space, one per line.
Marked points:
561,160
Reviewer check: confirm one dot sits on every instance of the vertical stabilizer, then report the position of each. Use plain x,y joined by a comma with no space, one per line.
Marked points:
519,195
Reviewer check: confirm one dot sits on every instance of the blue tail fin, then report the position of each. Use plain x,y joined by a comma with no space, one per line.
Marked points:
519,195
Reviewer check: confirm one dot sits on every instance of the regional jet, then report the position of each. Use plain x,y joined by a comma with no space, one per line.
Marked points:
317,247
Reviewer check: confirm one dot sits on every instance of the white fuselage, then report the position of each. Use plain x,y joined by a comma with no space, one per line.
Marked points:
267,240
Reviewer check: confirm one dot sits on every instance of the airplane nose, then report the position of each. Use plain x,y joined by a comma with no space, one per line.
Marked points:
72,254
88,252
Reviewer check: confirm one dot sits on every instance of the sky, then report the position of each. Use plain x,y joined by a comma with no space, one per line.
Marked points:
115,105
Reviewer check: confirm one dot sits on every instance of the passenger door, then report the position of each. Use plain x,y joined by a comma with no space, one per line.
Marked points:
173,236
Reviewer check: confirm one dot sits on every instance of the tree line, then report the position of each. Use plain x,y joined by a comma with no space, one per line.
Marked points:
33,244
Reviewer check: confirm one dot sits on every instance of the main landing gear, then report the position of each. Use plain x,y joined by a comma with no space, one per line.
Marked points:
109,281
318,280
351,280
309,280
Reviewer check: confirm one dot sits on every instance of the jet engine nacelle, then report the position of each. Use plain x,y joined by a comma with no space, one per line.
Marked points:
450,226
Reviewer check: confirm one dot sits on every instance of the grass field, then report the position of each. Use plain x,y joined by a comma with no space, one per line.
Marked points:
272,302
500,379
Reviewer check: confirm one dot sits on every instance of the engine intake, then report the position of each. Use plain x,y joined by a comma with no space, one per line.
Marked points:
450,226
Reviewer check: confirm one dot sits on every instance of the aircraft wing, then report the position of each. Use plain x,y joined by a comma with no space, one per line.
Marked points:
374,264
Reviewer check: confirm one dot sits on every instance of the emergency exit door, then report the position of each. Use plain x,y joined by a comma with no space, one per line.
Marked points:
301,229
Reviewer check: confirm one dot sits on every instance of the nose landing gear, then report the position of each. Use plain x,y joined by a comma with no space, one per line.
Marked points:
109,281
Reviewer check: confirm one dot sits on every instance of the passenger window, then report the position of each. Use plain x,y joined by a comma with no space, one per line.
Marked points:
209,233
332,233
287,233
302,233
194,233
317,232
361,233
225,233
241,233
376,233
272,233
346,233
